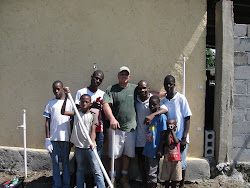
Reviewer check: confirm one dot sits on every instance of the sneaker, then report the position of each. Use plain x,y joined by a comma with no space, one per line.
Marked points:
124,181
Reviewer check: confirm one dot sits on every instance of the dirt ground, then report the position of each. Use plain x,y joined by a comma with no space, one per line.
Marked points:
44,180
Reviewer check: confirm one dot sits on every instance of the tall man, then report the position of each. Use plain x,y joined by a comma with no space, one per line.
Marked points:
179,110
118,106
96,100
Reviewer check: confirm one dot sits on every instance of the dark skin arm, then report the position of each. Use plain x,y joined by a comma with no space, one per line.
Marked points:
47,127
186,130
63,112
149,118
162,143
93,136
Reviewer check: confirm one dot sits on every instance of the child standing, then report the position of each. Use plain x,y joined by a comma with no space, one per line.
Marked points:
171,167
157,125
83,151
57,128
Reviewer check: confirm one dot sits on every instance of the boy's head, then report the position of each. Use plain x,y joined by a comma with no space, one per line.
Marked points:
169,84
171,124
143,89
154,103
97,78
85,102
58,89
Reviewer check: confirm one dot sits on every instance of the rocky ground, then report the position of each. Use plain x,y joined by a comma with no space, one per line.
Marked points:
44,180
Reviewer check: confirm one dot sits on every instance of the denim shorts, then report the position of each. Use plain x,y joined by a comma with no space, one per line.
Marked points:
183,158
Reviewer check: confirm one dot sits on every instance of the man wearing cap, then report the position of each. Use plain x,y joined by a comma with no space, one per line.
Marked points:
119,108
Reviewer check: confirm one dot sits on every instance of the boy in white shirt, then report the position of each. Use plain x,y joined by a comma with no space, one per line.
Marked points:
179,110
83,151
58,132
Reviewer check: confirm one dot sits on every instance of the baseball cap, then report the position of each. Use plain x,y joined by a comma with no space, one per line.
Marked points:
124,68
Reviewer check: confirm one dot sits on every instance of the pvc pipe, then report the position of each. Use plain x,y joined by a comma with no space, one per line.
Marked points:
83,129
24,141
112,155
184,76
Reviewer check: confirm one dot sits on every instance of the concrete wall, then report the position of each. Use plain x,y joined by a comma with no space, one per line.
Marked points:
241,116
42,41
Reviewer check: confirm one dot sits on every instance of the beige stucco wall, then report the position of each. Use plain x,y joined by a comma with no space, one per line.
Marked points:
42,41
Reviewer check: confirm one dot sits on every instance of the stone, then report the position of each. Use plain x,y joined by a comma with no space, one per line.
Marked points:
241,101
197,168
248,87
248,58
240,87
239,115
242,72
240,141
241,154
240,44
248,115
240,58
241,128
240,30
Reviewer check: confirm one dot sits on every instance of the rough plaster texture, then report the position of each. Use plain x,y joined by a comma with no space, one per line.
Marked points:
241,115
43,41
224,80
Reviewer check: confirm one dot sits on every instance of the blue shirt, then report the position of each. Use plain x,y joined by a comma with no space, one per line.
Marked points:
157,125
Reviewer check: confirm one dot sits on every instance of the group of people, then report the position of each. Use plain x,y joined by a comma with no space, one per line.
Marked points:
143,124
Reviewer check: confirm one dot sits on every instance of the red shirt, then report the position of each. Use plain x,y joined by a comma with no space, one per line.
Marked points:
173,151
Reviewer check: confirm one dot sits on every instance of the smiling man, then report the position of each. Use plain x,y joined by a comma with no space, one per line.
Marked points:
119,108
96,100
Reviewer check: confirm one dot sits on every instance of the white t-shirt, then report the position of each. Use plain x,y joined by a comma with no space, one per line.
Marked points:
78,138
178,109
142,110
96,96
59,124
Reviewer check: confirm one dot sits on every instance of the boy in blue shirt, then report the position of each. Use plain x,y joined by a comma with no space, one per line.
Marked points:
156,127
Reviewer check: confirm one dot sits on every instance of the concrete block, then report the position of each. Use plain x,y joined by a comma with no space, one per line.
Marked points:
240,30
248,87
209,143
238,115
241,101
241,44
248,31
248,115
242,72
240,87
247,45
241,128
241,141
240,154
240,58
248,58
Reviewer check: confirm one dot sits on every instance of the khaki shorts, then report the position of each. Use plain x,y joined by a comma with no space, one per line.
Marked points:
124,143
171,170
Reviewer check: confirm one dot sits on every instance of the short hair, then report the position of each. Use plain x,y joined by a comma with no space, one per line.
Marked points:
56,82
85,95
155,97
143,81
169,77
99,72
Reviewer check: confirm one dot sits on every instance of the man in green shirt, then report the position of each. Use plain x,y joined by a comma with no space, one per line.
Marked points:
119,108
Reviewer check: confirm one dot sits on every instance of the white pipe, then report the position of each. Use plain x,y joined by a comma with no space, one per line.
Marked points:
184,76
24,141
112,155
90,141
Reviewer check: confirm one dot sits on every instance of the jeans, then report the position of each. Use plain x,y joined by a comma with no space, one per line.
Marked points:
83,154
99,143
60,151
183,158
